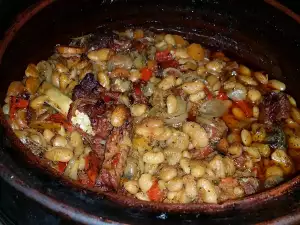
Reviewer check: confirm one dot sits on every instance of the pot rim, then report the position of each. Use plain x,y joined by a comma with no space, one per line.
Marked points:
88,218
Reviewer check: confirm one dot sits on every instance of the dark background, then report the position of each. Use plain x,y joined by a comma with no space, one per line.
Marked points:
9,212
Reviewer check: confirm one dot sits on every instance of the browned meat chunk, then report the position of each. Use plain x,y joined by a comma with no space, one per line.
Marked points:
117,149
250,185
274,108
89,87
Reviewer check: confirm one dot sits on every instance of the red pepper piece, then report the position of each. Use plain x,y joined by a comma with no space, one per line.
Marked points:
137,90
208,93
61,166
106,98
154,193
222,95
16,103
59,118
163,56
146,74
245,107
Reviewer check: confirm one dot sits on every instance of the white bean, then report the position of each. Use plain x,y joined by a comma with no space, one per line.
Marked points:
175,184
263,79
168,173
104,80
190,187
171,104
153,157
131,186
38,101
192,87
145,182
277,85
197,170
197,133
254,95
119,116
172,155
150,127
76,139
178,140
207,191
255,112
48,135
197,97
138,109
167,83
60,154
99,55
185,165
253,152
246,137
169,39
248,80
142,196
217,165
59,141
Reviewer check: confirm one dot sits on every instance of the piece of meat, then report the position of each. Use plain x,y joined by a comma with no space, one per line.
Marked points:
240,161
88,87
101,126
120,45
117,149
137,94
249,184
274,108
98,147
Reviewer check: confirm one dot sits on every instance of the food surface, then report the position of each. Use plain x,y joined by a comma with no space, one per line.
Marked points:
156,117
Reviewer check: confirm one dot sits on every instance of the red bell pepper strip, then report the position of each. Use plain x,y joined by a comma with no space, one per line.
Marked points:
245,107
16,103
91,166
208,93
163,56
222,95
61,166
154,193
146,74
59,118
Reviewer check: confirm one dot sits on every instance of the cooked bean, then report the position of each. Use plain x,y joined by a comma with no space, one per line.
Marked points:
277,85
234,137
153,157
215,66
248,80
264,149
201,71
185,165
150,127
131,186
70,50
229,164
238,191
60,154
253,152
235,149
197,97
119,116
192,87
197,133
181,53
99,55
186,154
255,112
36,138
138,109
190,187
172,155
294,142
104,80
48,135
38,101
274,171
167,173
263,79
246,137
207,191
176,184
238,113
258,133
171,104
292,101
244,70
169,39
217,165
167,83
295,114
76,139
280,157
178,140
197,170
59,141
15,88
254,95
142,196
291,123
212,80
145,182
171,195
61,68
